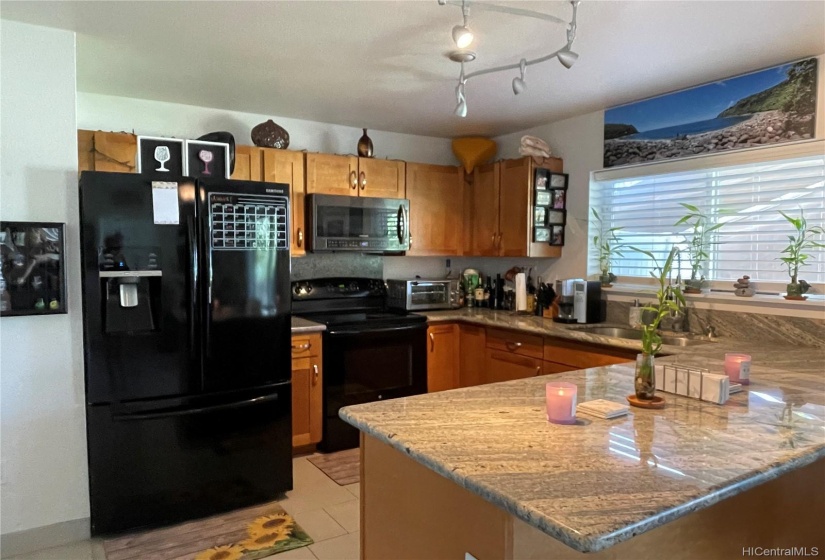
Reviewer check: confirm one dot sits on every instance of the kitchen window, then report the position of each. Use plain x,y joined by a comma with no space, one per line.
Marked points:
744,191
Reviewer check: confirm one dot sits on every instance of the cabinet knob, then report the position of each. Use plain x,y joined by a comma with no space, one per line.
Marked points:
353,180
315,374
304,346
512,346
538,370
363,180
432,342
494,240
300,237
498,243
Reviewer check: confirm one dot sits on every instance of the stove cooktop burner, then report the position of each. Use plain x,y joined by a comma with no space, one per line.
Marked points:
361,317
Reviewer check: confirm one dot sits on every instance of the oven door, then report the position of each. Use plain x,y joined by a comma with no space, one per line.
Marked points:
369,364
367,225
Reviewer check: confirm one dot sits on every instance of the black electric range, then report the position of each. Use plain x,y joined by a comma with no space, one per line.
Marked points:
370,353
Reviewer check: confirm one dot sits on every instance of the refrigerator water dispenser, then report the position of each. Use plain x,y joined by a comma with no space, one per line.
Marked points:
131,300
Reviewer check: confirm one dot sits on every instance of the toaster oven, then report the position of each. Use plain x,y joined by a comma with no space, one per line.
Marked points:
418,295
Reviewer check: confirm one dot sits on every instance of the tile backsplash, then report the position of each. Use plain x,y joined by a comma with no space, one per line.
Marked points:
337,264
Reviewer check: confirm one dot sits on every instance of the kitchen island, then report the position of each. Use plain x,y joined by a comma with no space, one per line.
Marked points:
479,470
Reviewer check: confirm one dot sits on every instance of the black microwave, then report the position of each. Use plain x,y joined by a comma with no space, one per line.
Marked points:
356,224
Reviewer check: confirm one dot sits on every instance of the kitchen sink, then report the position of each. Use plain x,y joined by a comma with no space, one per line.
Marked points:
633,334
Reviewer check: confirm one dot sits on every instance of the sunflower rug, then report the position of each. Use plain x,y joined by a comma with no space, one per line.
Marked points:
247,534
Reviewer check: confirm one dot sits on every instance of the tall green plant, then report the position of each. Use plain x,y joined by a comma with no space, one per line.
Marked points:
606,242
669,299
799,243
699,238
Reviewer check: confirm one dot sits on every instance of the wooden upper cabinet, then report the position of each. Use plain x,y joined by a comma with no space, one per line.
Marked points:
247,164
284,166
331,174
381,178
436,194
484,195
514,207
106,151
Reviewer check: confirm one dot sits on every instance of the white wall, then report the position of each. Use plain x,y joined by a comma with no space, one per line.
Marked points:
106,112
43,450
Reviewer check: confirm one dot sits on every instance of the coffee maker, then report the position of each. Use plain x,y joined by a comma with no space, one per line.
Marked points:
587,301
565,293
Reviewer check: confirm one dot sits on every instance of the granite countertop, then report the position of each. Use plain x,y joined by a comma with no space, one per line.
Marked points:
600,482
301,325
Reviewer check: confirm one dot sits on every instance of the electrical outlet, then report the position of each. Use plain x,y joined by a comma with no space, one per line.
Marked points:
449,261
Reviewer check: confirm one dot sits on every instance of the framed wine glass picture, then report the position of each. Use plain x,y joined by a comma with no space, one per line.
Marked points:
206,159
32,268
160,157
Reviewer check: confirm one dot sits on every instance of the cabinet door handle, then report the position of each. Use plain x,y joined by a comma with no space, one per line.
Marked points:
304,346
363,180
353,180
513,346
498,244
432,342
315,374
300,237
494,240
538,371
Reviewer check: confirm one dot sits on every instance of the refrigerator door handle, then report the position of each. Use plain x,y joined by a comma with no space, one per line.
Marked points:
171,412
192,240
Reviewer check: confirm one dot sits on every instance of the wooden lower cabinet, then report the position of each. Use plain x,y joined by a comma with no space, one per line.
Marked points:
442,357
472,343
579,355
507,366
307,394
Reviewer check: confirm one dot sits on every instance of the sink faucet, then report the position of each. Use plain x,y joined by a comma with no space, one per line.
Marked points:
710,332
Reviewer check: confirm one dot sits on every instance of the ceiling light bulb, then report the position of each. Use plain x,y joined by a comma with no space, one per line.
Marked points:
568,58
462,36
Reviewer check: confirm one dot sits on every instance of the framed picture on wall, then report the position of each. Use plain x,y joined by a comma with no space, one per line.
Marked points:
541,235
556,217
206,159
557,180
540,217
544,198
160,157
559,198
557,235
33,279
541,178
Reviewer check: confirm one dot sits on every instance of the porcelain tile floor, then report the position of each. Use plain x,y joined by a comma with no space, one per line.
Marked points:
328,513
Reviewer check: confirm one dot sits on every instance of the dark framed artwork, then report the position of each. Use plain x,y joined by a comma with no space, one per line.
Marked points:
763,108
557,180
556,235
33,279
541,178
161,158
207,159
559,199
556,217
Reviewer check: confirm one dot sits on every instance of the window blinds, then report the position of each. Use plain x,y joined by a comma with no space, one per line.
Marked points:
746,198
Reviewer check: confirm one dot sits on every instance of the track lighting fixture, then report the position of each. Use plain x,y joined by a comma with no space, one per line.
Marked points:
463,37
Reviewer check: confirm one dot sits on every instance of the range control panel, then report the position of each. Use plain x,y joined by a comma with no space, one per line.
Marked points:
248,222
336,288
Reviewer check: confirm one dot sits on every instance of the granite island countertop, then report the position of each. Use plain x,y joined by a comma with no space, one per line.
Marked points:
600,482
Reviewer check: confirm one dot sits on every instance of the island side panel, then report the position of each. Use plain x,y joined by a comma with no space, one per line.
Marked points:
785,512
409,512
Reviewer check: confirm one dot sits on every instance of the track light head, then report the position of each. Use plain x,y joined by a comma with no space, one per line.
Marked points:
518,83
461,106
567,57
462,36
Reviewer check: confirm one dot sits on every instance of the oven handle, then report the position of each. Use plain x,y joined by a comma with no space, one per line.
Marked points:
361,331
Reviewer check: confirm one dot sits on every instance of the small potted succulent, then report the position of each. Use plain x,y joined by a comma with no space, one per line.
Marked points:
669,299
698,241
795,251
607,244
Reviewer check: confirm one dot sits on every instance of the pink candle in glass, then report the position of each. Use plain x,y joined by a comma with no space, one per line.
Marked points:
738,368
561,402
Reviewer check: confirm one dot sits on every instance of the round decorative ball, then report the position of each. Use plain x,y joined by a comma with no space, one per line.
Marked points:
270,135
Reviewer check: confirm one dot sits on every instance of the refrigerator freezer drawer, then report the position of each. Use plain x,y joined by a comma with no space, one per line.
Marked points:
161,464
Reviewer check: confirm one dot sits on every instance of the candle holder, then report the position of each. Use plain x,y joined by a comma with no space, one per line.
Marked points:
738,368
561,402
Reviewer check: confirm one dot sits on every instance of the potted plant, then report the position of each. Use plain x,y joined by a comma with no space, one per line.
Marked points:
698,242
796,255
607,244
669,299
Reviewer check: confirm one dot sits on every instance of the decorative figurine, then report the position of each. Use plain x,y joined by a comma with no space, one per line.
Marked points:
270,135
743,287
365,147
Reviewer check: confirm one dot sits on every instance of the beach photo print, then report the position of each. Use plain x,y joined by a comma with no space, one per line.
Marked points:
761,108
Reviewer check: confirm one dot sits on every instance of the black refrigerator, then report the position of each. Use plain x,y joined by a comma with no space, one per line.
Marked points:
186,308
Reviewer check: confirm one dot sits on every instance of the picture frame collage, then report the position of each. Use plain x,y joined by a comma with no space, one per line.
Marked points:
549,207
174,157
